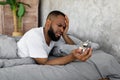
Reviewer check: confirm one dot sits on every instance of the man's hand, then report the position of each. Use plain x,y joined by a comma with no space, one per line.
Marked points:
65,36
77,53
67,25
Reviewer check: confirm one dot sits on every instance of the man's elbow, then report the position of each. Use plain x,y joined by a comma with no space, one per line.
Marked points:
41,61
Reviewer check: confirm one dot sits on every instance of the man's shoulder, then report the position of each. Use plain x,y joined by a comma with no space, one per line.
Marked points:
34,30
32,33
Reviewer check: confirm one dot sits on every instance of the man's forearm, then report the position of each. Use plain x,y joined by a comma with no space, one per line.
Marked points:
61,60
67,39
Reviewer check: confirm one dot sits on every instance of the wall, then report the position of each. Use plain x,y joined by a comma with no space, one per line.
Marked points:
96,20
30,19
0,21
1,18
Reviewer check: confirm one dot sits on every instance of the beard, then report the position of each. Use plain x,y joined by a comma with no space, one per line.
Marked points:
52,34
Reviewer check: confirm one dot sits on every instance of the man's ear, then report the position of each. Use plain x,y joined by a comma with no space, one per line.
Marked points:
48,22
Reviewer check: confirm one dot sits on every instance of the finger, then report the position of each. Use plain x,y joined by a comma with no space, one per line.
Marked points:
85,52
77,53
66,18
88,55
66,21
79,50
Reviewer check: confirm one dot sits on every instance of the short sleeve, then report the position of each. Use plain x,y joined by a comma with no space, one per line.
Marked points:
36,46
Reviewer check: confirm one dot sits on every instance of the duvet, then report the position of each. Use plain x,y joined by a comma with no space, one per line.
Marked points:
100,65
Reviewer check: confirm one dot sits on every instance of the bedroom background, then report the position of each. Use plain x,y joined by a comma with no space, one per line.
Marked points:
96,20
30,18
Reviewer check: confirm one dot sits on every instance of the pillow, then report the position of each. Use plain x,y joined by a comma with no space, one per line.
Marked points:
62,49
17,38
8,47
78,42
1,63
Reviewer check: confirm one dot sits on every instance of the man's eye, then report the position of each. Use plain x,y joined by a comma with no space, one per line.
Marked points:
64,27
59,25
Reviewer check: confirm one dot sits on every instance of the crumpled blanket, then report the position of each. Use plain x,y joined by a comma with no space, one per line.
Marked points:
100,65
106,65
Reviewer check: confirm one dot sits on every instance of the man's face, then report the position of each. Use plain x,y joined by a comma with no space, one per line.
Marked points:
52,35
56,28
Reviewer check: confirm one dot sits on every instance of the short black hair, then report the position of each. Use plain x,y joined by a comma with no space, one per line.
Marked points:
55,13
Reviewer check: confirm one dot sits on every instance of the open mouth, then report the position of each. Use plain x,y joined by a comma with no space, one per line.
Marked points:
58,34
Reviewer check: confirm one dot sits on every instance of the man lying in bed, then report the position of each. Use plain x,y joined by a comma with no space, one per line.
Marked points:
38,42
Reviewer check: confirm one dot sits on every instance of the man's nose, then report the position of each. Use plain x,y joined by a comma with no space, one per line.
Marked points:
61,29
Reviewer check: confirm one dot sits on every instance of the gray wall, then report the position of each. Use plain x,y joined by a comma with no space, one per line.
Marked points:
96,20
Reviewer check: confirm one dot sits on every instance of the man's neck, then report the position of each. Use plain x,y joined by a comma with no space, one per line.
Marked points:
47,38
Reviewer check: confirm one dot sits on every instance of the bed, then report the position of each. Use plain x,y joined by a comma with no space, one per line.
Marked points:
12,67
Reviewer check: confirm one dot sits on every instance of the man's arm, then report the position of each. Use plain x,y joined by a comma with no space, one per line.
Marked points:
67,39
56,61
75,54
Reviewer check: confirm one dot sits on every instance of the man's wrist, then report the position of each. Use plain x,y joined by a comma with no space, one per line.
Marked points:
64,35
73,57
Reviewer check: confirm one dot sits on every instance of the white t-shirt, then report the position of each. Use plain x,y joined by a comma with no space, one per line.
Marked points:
33,44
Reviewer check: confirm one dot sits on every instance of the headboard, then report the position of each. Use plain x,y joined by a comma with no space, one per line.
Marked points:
96,20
